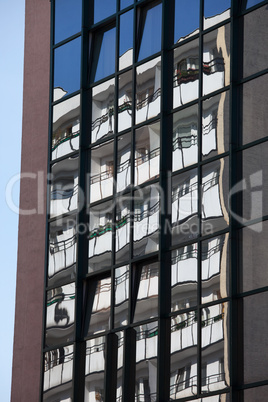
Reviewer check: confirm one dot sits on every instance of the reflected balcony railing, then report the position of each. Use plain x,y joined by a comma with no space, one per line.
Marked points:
213,66
127,105
95,348
214,250
180,386
148,99
53,359
152,397
107,174
60,298
211,182
147,333
184,256
102,119
187,189
138,217
184,142
122,278
185,76
210,126
145,158
64,138
62,245
123,166
212,379
62,194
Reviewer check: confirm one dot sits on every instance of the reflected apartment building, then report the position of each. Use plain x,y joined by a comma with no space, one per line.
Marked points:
154,244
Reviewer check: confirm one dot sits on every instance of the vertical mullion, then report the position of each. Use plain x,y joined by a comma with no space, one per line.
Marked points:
235,169
166,125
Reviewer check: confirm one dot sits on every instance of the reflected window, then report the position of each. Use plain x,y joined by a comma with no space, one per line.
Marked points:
67,61
103,9
186,73
95,369
103,62
68,18
186,19
150,29
126,40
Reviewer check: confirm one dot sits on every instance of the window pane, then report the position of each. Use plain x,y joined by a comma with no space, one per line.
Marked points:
215,125
255,337
60,315
67,60
121,289
62,250
58,373
186,19
183,364
98,306
125,3
185,138
148,90
150,31
216,59
103,9
215,268
215,356
255,116
102,110
216,11
146,220
68,18
184,206
147,153
250,3
125,101
126,40
102,171
186,73
103,63
66,127
123,177
145,291
255,51
64,186
122,229
94,369
100,236
146,362
215,193
184,277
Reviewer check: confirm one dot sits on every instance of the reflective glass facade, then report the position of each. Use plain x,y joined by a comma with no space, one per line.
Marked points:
156,283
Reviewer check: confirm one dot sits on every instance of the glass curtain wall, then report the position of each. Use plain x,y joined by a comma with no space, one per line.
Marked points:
156,243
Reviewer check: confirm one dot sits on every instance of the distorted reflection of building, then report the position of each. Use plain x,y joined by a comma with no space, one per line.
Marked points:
64,186
58,373
66,127
103,110
62,250
60,314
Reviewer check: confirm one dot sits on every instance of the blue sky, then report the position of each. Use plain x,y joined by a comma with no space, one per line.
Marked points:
11,73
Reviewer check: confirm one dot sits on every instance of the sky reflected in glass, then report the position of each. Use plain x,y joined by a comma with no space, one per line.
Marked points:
151,32
106,57
103,9
68,16
186,18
